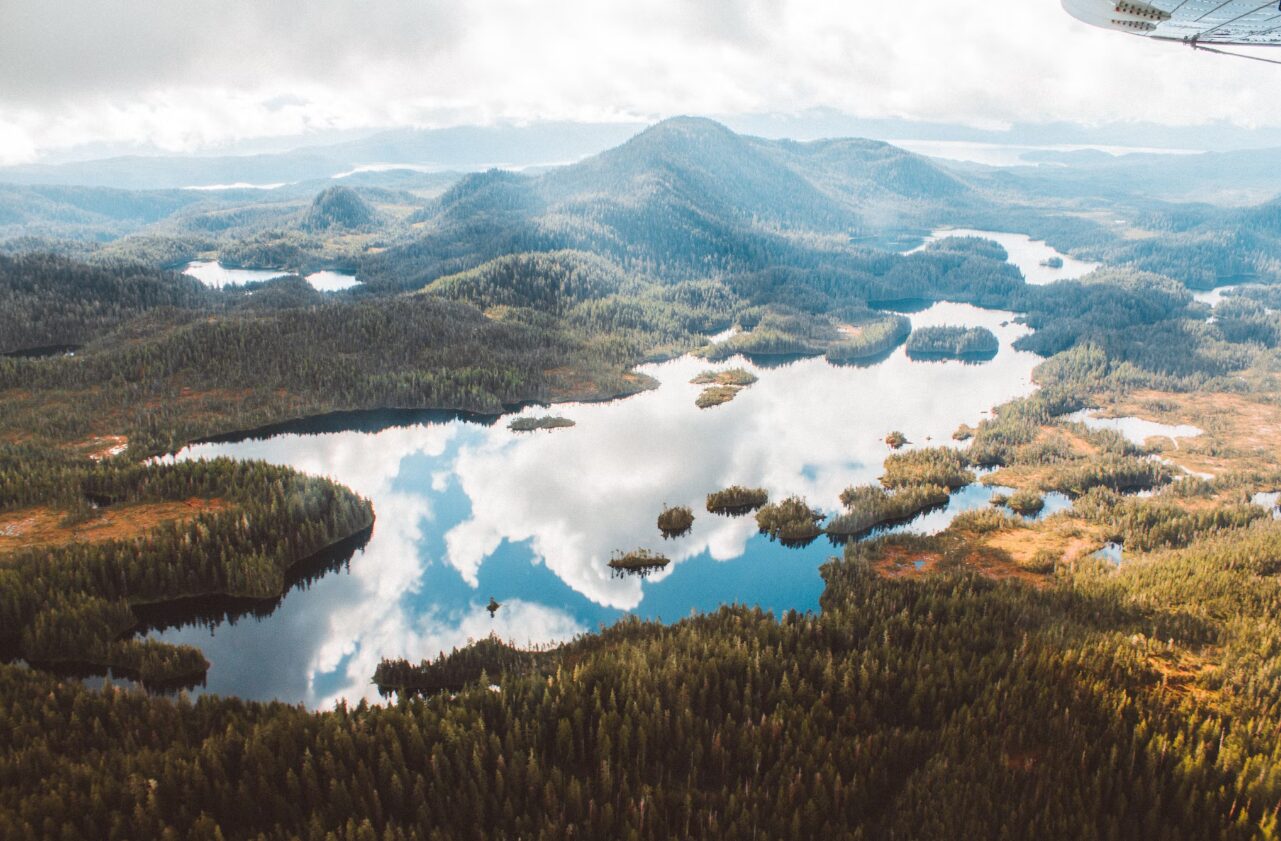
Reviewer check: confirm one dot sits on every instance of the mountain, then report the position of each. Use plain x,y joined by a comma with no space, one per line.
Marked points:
85,212
467,148
687,197
339,208
688,161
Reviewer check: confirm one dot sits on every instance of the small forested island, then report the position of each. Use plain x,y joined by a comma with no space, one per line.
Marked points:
1026,502
952,342
853,334
722,386
490,659
640,562
715,395
790,521
545,422
740,377
1055,262
736,500
937,466
675,522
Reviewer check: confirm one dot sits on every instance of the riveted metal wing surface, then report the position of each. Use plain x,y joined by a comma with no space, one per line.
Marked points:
1243,22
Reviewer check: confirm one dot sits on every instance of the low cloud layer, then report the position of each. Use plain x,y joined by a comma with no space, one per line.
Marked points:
184,75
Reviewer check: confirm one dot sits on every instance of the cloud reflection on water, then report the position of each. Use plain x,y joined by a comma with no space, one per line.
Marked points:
462,507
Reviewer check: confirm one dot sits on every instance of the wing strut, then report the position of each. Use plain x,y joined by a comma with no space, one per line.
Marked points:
1194,45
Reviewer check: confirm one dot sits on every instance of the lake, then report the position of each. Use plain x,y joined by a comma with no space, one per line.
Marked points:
1028,254
213,273
469,509
1215,296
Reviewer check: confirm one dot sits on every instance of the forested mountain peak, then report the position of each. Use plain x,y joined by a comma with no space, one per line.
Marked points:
702,166
339,207
690,132
685,148
495,190
686,197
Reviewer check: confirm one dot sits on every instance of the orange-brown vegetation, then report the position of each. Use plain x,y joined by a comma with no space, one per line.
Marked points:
1240,432
42,526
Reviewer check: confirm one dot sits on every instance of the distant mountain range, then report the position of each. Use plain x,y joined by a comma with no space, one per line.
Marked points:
684,198
461,149
413,158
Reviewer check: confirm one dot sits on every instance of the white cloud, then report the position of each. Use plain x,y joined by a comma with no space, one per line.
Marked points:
186,74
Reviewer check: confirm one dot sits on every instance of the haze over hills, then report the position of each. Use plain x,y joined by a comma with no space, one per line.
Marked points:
684,177
463,148
472,148
268,159
687,196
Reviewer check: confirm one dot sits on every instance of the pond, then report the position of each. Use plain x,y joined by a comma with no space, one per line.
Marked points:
469,509
1136,430
1270,500
215,274
1113,553
330,281
1031,256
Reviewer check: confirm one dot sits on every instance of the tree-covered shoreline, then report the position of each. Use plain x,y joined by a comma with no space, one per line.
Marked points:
72,604
996,680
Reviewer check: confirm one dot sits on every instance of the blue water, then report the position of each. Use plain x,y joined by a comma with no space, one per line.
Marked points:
469,511
1113,553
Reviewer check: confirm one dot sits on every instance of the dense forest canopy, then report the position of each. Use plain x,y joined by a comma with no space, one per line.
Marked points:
981,682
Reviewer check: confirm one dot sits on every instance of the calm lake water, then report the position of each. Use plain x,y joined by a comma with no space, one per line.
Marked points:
1215,296
469,510
1026,253
214,274
1136,430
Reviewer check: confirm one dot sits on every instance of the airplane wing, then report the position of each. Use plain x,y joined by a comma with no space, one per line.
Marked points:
1243,22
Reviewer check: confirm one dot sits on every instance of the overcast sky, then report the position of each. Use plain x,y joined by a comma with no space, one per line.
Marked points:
189,74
